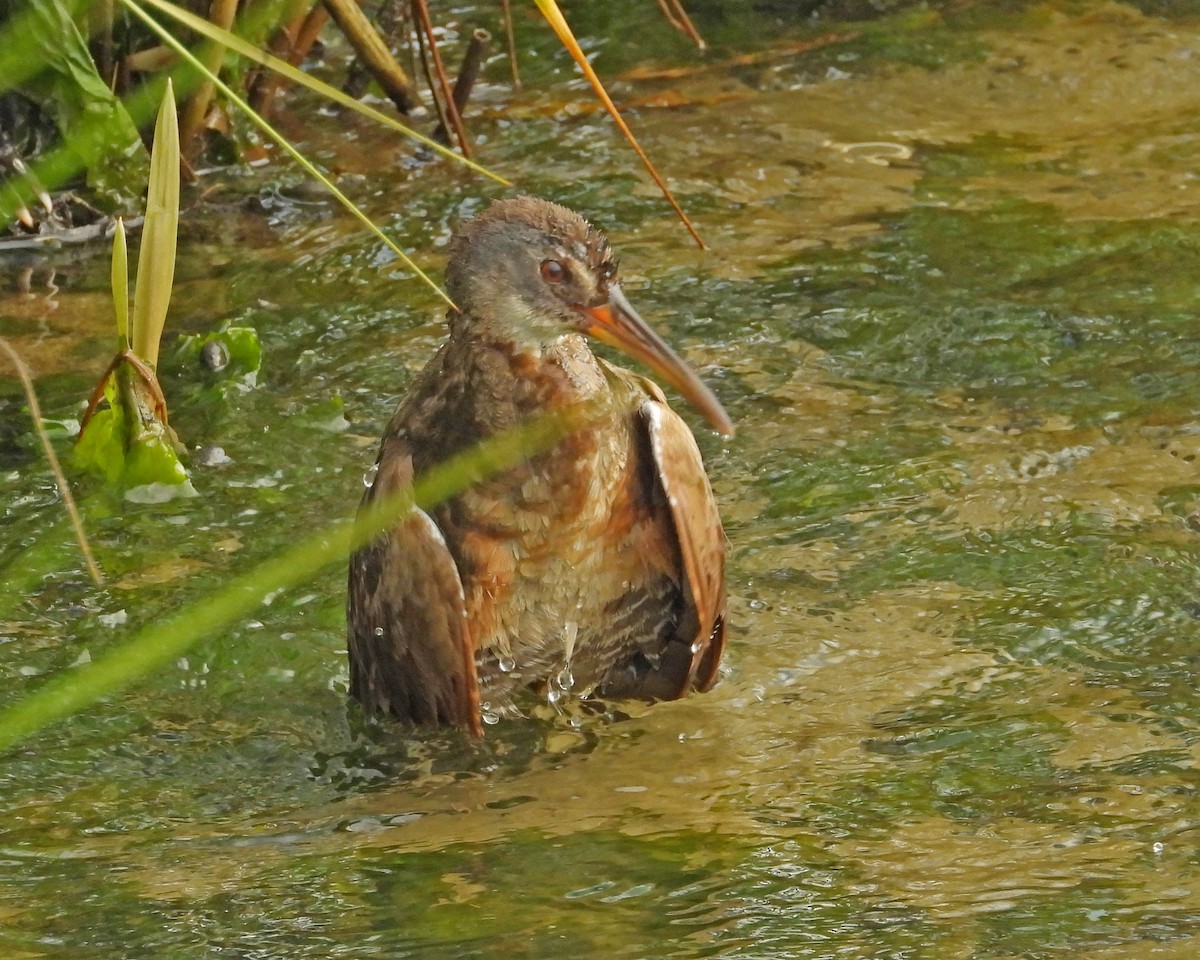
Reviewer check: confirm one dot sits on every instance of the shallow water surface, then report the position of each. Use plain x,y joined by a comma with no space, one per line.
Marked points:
951,303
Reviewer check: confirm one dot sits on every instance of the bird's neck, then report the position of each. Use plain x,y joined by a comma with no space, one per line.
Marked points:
507,320
482,384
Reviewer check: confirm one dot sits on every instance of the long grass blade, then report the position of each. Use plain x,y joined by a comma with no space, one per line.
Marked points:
156,259
295,154
250,52
559,24
163,641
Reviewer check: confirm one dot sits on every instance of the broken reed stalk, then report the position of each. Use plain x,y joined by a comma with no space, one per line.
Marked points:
464,83
369,46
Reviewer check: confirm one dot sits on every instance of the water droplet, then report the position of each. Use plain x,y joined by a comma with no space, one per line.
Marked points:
570,635
554,694
369,476
490,716
506,664
378,631
697,647
757,604
564,680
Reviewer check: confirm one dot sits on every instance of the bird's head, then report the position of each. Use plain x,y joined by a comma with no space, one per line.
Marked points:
536,271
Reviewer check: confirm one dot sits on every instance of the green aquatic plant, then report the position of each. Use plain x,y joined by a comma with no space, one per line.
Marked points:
44,55
233,351
130,443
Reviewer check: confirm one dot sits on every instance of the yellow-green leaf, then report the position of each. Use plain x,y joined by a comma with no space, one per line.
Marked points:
156,260
120,283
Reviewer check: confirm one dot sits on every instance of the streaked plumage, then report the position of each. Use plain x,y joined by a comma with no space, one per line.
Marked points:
597,566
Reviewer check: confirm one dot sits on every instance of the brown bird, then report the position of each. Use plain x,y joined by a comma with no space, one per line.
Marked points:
597,566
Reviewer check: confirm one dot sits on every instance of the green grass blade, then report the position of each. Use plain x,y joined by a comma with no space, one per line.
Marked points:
44,55
156,259
295,154
164,640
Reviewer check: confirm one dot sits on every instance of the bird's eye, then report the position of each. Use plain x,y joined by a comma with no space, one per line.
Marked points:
553,271
608,270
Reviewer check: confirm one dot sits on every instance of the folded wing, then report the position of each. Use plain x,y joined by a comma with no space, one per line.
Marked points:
410,647
700,536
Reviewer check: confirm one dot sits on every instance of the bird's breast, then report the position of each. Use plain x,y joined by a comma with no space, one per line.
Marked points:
549,549
547,552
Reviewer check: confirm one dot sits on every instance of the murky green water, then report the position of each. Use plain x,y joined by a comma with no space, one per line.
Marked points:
952,303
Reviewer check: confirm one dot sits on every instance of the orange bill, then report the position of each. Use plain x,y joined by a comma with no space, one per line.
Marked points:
619,325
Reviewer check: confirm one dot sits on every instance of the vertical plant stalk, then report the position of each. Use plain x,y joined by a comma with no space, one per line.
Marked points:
307,35
421,12
100,29
559,24
468,73
220,13
427,69
60,480
511,39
